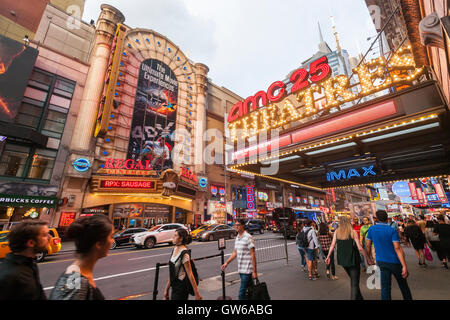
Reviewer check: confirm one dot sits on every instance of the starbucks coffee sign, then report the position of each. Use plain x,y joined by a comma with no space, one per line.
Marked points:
27,201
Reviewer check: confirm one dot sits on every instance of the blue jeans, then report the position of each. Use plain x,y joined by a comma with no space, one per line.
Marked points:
246,281
388,269
302,254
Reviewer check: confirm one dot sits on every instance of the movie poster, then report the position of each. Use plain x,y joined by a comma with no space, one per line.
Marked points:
154,116
16,64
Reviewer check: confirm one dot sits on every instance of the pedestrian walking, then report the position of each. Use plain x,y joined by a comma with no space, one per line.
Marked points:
180,269
434,242
357,228
363,235
414,234
442,229
244,251
422,223
301,250
390,256
19,274
347,242
93,238
325,240
310,243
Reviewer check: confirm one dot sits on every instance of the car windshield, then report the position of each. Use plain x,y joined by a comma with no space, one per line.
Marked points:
4,237
154,228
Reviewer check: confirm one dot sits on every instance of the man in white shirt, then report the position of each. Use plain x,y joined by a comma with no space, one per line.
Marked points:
244,251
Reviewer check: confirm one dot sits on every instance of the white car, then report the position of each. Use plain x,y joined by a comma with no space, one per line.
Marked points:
162,233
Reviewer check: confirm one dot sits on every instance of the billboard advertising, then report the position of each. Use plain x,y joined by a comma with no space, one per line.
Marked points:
154,116
16,64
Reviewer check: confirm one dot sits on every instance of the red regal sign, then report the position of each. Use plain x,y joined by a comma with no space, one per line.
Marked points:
128,167
125,184
188,176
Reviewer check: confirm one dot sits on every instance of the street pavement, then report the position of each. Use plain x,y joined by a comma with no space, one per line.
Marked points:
129,274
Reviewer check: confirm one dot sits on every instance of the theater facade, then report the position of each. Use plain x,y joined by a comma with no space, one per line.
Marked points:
387,121
137,149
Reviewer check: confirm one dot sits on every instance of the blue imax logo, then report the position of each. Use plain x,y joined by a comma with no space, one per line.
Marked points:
352,173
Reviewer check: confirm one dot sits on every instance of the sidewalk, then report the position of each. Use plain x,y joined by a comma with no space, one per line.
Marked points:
288,282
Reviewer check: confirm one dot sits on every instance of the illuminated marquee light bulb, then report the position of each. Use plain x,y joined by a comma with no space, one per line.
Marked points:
370,72
245,129
232,128
308,97
255,123
338,86
288,113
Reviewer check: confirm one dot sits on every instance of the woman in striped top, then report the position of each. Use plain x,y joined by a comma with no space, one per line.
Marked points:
325,239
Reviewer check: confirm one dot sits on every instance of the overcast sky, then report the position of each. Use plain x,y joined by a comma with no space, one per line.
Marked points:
247,44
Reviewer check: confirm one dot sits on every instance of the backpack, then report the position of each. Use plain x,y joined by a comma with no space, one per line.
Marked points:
303,239
194,273
415,233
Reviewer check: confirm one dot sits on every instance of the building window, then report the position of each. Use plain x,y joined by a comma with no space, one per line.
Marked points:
42,164
44,108
13,160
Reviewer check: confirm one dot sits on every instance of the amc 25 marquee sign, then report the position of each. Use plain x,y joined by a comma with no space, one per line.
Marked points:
278,106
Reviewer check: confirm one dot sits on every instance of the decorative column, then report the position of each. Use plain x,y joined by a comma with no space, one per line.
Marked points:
106,28
201,72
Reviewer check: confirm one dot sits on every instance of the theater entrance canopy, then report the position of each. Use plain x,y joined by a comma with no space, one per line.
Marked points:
387,121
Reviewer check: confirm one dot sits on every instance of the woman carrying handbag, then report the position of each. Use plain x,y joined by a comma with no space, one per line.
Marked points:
348,254
180,269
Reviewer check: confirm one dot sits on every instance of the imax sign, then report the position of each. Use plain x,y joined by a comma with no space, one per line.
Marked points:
351,173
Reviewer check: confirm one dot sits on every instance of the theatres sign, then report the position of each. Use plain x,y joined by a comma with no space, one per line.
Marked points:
188,176
279,106
128,167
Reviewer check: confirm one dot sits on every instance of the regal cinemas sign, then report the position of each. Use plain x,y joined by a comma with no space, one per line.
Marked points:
314,90
128,167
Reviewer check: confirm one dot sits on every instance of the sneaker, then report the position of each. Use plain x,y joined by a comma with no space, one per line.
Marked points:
334,278
312,278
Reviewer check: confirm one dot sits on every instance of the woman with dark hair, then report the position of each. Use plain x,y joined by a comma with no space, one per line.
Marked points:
413,233
433,241
325,239
93,238
301,250
180,269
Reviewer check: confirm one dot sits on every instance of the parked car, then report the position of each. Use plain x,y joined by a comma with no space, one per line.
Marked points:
255,225
54,245
216,231
162,233
123,237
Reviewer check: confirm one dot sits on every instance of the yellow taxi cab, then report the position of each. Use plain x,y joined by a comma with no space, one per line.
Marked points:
198,230
54,245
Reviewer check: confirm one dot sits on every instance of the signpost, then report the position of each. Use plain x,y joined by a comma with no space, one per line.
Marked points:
222,246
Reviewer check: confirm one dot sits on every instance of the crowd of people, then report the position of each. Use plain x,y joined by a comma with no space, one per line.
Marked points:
93,237
359,244
373,241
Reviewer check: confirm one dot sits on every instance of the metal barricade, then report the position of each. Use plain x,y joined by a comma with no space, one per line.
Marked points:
271,249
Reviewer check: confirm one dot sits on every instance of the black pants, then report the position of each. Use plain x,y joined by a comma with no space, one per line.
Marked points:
388,269
179,291
436,246
354,273
330,266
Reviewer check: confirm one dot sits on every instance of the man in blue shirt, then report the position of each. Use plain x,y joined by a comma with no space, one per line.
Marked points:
389,255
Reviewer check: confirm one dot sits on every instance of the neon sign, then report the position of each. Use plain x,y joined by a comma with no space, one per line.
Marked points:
189,175
352,173
81,165
124,184
250,197
279,110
